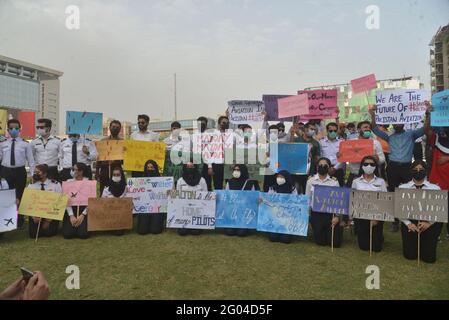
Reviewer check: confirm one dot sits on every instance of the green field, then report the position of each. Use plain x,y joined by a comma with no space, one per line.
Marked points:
215,266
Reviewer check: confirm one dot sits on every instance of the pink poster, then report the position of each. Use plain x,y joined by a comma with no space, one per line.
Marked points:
79,192
293,106
364,84
322,104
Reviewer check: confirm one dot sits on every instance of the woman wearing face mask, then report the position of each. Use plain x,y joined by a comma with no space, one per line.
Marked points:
322,223
429,231
369,181
74,224
191,180
150,222
47,228
174,147
240,181
284,184
116,188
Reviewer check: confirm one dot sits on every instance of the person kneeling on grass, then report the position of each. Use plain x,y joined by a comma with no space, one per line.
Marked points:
191,180
322,223
47,228
116,188
74,224
428,231
283,184
151,222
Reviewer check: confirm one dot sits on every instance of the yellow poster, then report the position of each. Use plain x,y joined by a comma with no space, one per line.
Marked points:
43,204
3,120
109,150
139,152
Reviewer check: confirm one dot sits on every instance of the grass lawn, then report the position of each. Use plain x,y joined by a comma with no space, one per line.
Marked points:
215,266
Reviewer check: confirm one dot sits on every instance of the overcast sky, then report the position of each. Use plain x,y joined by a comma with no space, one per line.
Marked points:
122,59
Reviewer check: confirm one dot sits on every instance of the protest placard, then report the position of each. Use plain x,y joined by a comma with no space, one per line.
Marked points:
139,152
107,214
3,121
271,106
90,123
27,124
372,205
237,209
322,104
401,106
43,204
283,213
293,106
8,210
191,210
364,84
328,199
355,150
80,191
149,194
422,205
246,111
440,101
110,150
292,157
439,118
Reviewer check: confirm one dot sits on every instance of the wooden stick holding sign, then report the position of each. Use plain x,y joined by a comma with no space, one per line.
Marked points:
332,235
370,238
38,228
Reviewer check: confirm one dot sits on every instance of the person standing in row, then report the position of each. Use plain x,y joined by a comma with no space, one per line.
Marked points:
76,150
46,148
330,147
173,145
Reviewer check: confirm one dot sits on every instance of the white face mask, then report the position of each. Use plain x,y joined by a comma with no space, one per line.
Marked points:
369,169
280,181
42,132
236,174
116,179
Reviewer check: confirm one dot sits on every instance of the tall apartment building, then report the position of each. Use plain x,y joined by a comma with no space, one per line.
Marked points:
439,60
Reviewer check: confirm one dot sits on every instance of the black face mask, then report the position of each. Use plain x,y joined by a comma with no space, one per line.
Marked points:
419,175
203,126
143,127
36,177
323,170
116,131
224,125
152,173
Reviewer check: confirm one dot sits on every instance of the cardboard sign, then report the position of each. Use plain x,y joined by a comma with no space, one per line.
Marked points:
439,118
139,152
355,150
237,209
43,204
79,192
107,214
8,210
110,150
364,84
191,210
271,106
293,106
322,104
328,199
401,106
90,123
3,121
149,194
372,205
423,205
283,213
246,111
28,124
292,157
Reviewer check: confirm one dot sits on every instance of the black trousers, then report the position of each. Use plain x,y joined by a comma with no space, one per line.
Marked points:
351,178
383,168
153,223
397,174
53,174
268,181
17,179
218,176
322,229
340,176
428,243
418,151
300,182
363,235
51,231
279,237
65,175
206,176
236,232
70,232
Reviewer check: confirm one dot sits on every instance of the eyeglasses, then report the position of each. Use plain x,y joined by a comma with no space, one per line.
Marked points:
369,164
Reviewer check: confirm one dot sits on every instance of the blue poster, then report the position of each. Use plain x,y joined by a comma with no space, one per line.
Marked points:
90,123
283,213
237,209
328,199
292,157
440,101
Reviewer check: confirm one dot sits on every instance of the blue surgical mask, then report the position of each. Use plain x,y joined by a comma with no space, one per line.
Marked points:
14,132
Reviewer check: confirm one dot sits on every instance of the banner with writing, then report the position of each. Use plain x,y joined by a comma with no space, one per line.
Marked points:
292,157
293,106
8,210
110,150
246,111
139,152
43,204
364,84
322,104
90,123
107,214
79,192
423,205
237,209
328,199
149,194
355,150
372,205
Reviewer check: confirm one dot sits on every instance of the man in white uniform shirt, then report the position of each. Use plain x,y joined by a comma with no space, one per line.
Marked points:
330,146
74,150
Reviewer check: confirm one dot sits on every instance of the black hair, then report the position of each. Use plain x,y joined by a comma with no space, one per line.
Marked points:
144,117
361,123
376,172
221,118
42,168
46,122
175,124
82,167
329,163
417,163
116,122
331,124
273,127
12,121
351,125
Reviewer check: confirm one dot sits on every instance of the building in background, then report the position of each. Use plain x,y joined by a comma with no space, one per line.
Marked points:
439,60
29,87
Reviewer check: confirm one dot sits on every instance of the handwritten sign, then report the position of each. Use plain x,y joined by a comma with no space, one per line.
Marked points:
139,152
283,213
110,150
3,121
28,124
354,150
149,194
439,118
191,210
246,111
237,209
440,101
328,199
107,214
293,106
8,210
43,204
364,84
292,157
423,205
372,205
400,106
271,106
322,104
79,192
90,123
